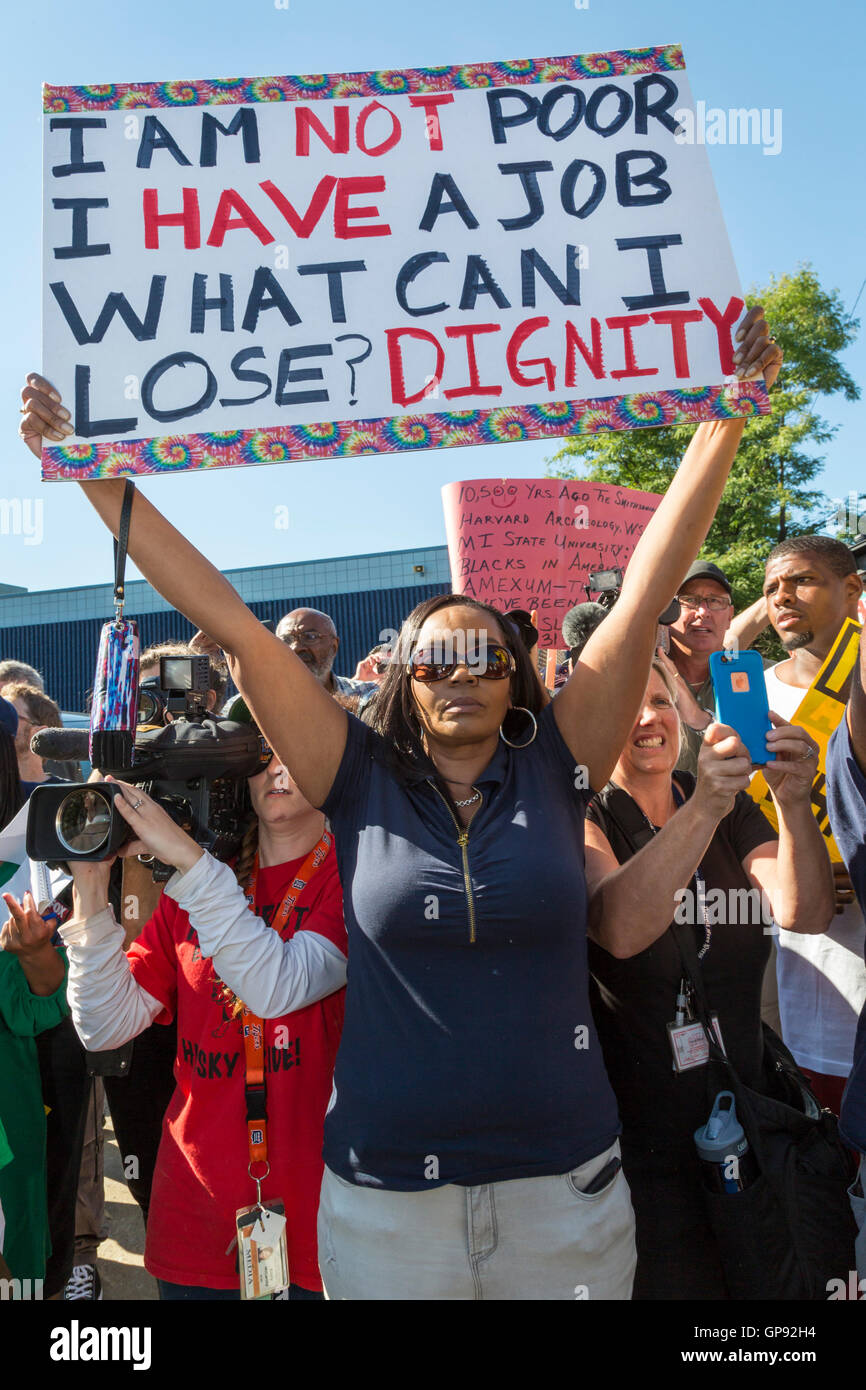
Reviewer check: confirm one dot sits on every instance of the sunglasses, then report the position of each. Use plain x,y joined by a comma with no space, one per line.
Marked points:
496,664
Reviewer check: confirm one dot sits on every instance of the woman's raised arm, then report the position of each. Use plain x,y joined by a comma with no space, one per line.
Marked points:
598,706
303,724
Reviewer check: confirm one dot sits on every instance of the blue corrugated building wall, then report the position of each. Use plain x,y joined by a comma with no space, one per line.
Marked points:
57,631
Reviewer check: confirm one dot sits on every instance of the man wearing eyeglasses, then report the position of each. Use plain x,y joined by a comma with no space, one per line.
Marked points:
313,637
707,612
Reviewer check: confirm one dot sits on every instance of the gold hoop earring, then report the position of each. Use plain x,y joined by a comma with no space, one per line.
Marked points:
523,710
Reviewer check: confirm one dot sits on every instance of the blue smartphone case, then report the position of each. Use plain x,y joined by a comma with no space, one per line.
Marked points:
741,699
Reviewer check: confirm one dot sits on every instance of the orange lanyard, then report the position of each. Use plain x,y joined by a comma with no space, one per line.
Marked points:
253,1026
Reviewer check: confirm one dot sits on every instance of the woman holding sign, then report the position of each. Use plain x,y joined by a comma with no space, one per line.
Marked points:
471,1147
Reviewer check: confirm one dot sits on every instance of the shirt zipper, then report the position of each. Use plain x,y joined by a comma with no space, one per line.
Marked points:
463,841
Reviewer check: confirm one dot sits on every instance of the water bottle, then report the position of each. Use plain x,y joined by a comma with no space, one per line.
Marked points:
727,1162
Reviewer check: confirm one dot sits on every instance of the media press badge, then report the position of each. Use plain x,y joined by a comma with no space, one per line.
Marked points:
689,1043
263,1260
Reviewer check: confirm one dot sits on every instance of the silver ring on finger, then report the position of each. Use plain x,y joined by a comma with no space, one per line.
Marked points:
139,802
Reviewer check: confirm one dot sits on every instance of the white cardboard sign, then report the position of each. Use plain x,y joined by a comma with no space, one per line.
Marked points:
249,270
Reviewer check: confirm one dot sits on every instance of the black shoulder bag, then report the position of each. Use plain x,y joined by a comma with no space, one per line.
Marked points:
792,1231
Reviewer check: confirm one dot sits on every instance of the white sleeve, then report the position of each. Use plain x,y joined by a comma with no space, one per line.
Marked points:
273,977
108,1005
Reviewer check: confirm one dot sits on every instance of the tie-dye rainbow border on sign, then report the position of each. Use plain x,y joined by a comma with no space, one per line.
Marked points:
402,433
234,91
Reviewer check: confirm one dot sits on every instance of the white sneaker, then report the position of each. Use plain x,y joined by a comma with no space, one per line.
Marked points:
83,1283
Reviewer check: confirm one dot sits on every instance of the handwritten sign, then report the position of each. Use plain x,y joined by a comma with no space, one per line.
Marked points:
533,542
244,271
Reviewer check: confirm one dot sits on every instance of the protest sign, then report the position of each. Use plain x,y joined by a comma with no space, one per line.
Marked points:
533,542
243,271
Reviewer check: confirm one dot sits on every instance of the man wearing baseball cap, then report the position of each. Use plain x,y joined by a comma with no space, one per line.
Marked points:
706,614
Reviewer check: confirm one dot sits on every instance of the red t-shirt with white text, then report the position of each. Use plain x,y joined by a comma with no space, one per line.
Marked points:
201,1176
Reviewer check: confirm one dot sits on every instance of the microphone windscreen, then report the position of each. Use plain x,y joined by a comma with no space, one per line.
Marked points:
580,623
61,744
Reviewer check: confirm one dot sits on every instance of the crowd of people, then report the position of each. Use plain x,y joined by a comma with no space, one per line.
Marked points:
441,1028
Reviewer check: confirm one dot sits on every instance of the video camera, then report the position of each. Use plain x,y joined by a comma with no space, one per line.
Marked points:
181,688
607,585
195,766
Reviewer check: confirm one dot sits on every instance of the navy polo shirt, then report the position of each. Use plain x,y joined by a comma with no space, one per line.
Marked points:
469,1054
846,804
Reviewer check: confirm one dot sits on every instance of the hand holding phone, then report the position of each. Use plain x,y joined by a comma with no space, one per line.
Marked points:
741,700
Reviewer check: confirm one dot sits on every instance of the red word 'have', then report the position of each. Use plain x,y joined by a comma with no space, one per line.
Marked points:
234,213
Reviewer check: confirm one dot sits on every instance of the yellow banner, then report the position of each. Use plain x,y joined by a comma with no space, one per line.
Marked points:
819,711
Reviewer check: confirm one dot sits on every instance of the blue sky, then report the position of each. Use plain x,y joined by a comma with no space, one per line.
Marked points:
805,204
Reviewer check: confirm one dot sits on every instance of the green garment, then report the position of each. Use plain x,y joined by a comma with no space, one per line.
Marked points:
26,1243
693,738
5,1151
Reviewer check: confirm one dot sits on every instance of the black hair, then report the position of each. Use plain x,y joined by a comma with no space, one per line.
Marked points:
835,554
11,793
394,713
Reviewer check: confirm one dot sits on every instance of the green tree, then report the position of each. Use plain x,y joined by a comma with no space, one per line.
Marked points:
768,496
